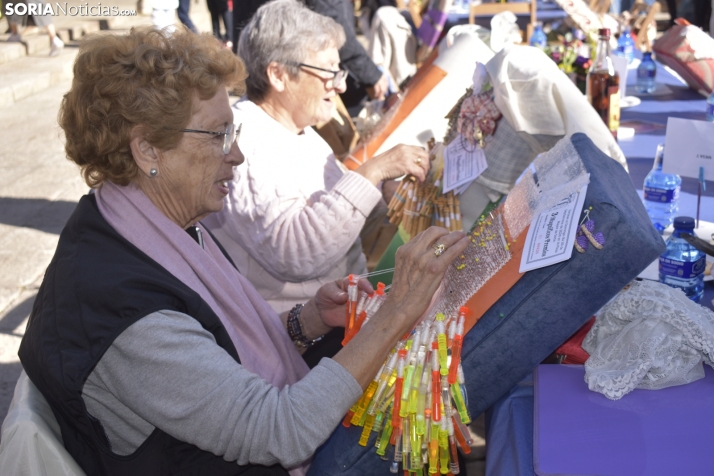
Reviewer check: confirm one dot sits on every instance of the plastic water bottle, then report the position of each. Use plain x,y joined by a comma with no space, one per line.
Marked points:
661,193
710,107
626,45
538,38
682,265
646,73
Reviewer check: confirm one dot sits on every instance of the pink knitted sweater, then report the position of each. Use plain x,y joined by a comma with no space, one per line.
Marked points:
292,219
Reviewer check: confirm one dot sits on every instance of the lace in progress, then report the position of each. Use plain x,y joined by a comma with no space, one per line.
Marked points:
488,252
552,176
651,336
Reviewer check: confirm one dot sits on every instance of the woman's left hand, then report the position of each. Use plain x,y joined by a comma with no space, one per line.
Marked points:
327,309
331,298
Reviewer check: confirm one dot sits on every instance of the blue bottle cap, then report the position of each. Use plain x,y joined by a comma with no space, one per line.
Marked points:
684,223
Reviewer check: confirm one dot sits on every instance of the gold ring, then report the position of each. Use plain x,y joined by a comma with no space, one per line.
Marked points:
418,160
439,248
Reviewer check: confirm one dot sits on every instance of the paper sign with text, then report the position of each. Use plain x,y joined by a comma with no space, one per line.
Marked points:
552,233
462,165
689,145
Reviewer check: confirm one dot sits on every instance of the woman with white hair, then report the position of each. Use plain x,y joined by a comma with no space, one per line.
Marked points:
293,216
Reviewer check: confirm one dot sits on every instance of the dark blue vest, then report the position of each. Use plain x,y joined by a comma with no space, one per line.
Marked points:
97,285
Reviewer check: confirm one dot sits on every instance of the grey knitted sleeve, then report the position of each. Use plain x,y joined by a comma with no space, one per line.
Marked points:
166,371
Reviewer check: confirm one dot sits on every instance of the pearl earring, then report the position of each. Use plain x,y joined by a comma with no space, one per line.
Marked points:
153,173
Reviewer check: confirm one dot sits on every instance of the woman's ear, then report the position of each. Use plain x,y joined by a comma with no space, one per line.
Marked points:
277,76
145,155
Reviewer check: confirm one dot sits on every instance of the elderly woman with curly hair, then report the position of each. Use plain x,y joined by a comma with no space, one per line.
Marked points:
155,355
294,215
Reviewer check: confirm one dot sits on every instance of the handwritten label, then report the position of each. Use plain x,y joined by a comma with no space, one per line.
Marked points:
463,162
552,233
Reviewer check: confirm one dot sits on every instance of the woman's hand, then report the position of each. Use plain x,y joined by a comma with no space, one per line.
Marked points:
397,161
417,275
379,89
327,309
419,271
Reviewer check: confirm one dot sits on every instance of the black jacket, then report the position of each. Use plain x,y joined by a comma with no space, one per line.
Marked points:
97,285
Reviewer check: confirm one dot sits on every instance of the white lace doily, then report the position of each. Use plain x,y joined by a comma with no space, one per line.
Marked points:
650,336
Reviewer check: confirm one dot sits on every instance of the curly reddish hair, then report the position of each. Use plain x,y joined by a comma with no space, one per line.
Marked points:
147,78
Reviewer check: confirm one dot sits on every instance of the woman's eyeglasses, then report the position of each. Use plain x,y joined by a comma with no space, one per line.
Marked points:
337,76
230,135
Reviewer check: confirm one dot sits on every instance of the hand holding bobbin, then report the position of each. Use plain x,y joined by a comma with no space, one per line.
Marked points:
397,161
419,270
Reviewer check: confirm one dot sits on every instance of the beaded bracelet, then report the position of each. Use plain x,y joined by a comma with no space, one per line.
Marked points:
295,329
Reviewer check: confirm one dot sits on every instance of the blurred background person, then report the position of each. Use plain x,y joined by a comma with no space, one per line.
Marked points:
392,36
220,12
183,8
17,22
163,14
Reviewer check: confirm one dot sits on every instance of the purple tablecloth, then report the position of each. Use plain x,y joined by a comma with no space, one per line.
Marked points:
660,432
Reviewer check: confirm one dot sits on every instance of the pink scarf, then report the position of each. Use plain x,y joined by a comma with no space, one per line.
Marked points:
256,330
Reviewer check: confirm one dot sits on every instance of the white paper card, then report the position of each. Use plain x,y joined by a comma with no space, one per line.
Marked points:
552,233
462,188
462,166
689,145
620,64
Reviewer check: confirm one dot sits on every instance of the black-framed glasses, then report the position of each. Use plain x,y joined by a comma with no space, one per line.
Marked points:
230,135
337,76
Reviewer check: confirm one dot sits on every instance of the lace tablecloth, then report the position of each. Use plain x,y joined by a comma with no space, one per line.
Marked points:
650,336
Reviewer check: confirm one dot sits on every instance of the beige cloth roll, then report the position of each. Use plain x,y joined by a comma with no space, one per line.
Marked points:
31,438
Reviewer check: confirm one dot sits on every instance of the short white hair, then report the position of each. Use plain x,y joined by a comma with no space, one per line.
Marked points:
283,31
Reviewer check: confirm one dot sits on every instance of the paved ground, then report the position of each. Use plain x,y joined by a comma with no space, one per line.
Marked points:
38,191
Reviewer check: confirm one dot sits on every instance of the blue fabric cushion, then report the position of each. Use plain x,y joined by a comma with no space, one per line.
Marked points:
543,309
547,305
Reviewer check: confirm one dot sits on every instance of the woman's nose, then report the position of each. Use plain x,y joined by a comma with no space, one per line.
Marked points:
235,157
340,86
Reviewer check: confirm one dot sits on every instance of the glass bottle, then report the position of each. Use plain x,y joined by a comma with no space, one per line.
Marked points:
682,265
661,193
646,74
603,84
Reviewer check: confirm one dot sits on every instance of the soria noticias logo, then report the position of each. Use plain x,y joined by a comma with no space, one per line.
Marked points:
56,9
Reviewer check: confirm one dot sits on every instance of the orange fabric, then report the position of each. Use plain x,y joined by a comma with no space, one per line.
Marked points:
498,285
418,89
